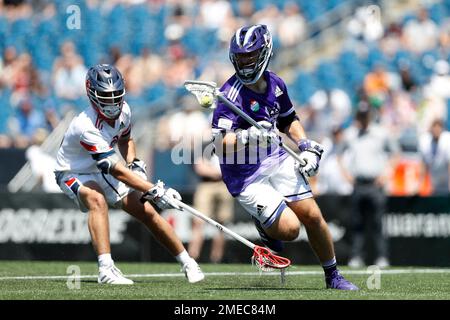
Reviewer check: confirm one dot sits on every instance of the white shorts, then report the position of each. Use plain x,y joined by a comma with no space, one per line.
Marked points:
113,189
266,197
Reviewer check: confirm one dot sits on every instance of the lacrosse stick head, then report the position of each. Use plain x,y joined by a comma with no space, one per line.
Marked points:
204,91
265,260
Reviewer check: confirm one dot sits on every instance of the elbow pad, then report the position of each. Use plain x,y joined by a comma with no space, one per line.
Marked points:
282,123
106,161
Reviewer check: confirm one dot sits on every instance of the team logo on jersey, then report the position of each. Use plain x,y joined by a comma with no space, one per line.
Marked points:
122,125
278,92
114,141
260,209
254,105
273,111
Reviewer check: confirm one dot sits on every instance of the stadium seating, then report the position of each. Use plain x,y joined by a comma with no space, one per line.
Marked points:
133,28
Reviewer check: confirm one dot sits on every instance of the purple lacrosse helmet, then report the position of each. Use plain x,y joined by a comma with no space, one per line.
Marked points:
250,52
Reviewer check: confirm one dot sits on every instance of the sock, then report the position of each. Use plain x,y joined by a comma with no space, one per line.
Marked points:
105,260
329,266
183,257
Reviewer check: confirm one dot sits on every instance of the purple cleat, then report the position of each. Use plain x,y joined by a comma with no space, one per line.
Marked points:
337,281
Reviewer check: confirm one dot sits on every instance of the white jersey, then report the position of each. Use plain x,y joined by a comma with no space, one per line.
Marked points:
87,135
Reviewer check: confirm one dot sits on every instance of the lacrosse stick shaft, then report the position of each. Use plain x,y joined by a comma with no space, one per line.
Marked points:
253,122
215,224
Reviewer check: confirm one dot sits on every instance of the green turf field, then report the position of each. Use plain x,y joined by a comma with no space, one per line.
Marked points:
48,280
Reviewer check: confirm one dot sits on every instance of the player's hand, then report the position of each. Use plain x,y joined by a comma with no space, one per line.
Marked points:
311,152
163,198
253,135
139,167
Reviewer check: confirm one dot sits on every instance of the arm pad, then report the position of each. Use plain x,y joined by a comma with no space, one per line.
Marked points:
106,161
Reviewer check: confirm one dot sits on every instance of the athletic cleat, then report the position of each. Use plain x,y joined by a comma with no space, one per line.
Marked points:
273,244
356,262
337,281
112,275
193,272
382,262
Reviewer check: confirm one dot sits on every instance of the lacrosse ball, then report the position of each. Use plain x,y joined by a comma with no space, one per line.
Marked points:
206,100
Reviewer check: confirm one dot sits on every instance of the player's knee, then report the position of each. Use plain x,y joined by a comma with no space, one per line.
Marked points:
292,230
96,202
313,217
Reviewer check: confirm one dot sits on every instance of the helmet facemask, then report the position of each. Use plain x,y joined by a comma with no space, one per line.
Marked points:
108,104
106,90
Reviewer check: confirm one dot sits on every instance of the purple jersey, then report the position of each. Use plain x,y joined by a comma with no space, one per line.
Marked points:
272,106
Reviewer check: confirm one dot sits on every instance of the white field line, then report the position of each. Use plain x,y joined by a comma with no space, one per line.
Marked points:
288,273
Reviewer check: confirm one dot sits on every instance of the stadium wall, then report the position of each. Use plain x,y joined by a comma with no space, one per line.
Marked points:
36,226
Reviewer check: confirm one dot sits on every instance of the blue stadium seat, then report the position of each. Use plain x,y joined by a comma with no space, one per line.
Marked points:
437,12
303,87
154,92
5,109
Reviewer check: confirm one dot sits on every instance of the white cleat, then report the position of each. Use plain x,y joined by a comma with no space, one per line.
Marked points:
112,275
193,272
356,262
382,262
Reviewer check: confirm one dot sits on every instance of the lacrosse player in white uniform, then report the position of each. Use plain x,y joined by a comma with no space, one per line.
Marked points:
90,172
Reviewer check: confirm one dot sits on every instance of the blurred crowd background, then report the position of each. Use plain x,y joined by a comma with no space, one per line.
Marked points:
392,58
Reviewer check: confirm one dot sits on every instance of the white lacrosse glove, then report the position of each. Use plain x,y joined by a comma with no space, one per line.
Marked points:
139,167
253,135
163,198
311,152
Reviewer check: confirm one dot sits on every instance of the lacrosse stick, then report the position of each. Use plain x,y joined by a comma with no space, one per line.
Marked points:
264,259
202,89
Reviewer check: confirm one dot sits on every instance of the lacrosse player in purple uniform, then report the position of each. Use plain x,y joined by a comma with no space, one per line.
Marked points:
266,181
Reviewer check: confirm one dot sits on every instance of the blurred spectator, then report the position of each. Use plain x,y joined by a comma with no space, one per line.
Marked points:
331,179
151,66
434,147
435,97
408,83
189,125
440,80
376,83
7,67
390,43
114,55
246,9
292,27
421,34
179,66
270,16
22,77
69,74
25,123
328,109
364,28
398,113
212,199
181,14
215,14
369,149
